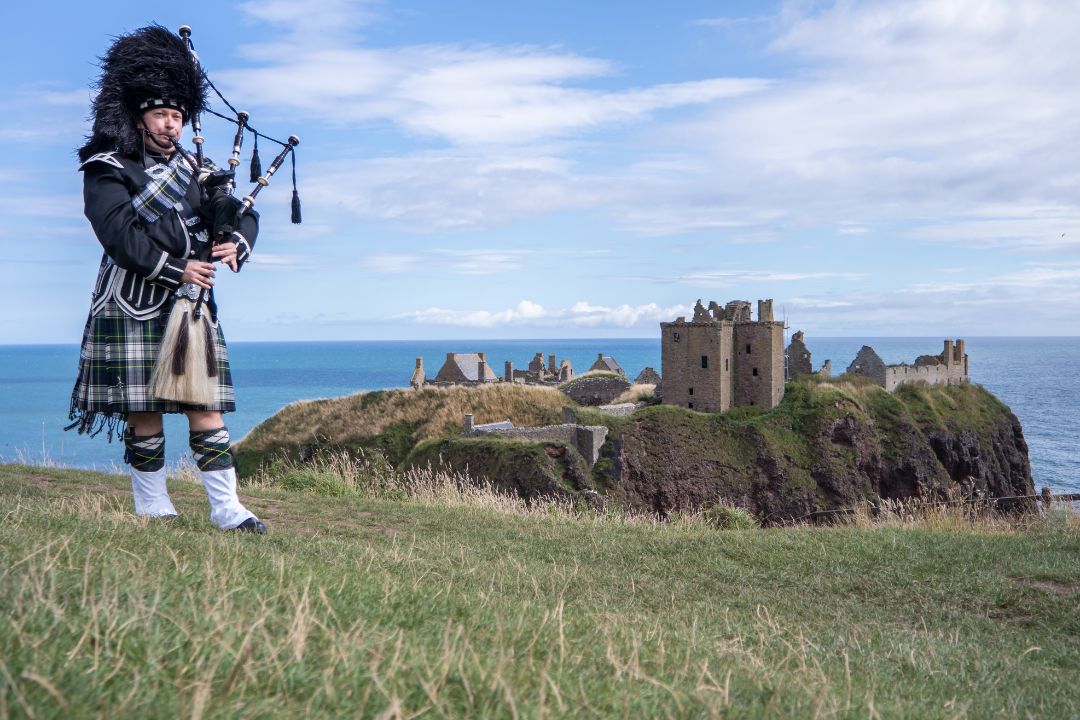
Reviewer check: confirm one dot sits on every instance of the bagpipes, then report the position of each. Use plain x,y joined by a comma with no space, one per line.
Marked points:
186,369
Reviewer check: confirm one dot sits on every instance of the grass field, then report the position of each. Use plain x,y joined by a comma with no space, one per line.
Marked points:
388,602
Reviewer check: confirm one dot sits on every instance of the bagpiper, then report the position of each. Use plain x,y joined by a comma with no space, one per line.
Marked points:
162,223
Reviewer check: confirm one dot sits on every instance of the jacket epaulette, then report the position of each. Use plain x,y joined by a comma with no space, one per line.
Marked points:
109,158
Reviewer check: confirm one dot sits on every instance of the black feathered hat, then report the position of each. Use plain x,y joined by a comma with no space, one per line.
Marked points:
148,68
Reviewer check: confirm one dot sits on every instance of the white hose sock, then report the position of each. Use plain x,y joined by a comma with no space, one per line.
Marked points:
226,510
150,493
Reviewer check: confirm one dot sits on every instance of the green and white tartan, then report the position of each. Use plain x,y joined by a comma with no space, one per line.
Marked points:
115,362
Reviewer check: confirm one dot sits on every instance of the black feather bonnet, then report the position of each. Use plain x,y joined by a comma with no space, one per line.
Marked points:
150,67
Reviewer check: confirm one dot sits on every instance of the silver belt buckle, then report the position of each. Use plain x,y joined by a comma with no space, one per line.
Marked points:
191,291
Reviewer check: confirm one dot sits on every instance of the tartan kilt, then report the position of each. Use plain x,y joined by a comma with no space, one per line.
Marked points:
115,362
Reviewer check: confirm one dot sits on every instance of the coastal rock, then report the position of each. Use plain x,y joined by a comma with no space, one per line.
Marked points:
819,450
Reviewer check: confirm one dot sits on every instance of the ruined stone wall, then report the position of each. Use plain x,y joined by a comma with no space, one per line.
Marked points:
696,364
897,375
618,409
647,376
867,362
798,357
758,359
593,391
948,368
586,439
951,368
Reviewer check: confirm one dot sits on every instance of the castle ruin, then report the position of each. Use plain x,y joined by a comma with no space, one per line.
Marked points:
723,358
797,360
538,373
950,367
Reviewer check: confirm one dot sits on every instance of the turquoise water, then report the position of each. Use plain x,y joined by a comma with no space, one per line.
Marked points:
1039,378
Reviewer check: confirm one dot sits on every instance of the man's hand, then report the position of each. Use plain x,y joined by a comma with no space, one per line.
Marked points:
199,273
225,252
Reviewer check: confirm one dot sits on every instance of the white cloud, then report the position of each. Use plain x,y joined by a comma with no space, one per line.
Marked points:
392,263
927,112
1034,299
448,190
483,262
313,18
276,262
462,262
530,314
471,96
56,207
728,278
906,109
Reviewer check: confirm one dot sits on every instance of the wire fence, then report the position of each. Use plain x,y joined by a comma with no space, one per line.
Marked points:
1045,497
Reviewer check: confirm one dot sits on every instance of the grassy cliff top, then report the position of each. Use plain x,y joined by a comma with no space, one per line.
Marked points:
376,604
395,421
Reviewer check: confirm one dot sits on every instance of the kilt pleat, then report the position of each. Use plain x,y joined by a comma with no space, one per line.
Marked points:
115,362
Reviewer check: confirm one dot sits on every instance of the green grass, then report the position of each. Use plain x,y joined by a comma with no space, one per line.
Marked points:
392,422
442,603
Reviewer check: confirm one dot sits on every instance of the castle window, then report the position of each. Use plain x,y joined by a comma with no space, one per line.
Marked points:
755,372
725,363
748,348
690,405
691,391
704,362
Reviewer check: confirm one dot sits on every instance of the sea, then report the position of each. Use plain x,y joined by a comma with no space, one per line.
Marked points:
1038,377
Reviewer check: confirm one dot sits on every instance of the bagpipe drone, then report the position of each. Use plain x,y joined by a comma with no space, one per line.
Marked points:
186,369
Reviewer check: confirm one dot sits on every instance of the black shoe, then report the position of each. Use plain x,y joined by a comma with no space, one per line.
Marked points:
252,525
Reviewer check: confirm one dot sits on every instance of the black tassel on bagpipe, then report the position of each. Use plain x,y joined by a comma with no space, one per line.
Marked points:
296,215
241,121
256,163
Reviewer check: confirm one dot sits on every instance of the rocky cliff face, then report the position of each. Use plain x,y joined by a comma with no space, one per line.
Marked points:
826,446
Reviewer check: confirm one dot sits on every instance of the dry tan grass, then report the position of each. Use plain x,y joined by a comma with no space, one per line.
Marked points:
371,476
977,516
433,411
637,393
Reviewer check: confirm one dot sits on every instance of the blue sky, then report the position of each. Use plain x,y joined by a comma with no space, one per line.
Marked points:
567,169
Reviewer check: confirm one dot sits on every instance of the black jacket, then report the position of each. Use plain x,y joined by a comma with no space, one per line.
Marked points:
142,263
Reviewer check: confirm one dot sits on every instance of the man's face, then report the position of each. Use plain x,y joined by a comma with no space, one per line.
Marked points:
163,124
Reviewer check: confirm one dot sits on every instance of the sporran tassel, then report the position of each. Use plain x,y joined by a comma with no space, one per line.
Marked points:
211,355
179,374
256,163
179,358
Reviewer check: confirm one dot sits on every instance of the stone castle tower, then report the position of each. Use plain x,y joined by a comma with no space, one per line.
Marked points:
723,358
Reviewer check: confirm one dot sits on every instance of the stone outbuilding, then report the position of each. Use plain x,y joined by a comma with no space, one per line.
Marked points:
465,368
648,376
605,363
